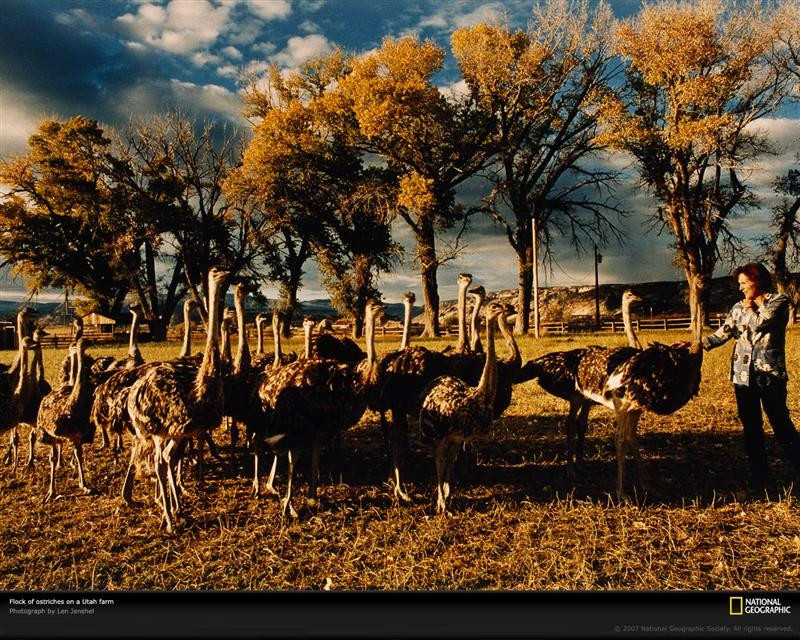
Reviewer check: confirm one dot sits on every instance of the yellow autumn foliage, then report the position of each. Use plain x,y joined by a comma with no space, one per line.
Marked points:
416,193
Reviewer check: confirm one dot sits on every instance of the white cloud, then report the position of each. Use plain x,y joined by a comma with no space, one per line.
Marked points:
19,118
455,90
490,12
245,31
145,99
309,26
181,27
232,52
202,58
300,49
312,6
270,9
228,71
264,48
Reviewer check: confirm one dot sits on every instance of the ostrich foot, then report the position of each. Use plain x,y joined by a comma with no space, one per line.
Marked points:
286,506
401,495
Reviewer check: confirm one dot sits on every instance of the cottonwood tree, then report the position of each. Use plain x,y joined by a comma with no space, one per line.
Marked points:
540,85
783,247
64,220
304,165
362,246
700,75
182,165
433,143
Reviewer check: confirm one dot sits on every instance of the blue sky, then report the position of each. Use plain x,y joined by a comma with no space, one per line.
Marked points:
120,59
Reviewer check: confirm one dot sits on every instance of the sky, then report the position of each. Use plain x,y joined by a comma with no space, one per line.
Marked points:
113,60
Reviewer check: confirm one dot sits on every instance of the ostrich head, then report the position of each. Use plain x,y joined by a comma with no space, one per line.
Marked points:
409,297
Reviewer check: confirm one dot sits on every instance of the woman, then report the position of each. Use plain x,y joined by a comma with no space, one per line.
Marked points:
758,368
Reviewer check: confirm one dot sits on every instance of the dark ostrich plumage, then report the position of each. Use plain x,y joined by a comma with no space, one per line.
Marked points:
453,412
660,379
64,416
555,372
328,347
12,402
176,400
578,376
309,401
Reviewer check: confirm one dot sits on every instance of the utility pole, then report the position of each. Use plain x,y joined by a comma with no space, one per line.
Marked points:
535,277
597,260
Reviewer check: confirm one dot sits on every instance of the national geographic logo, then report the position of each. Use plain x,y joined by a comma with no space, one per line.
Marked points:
740,606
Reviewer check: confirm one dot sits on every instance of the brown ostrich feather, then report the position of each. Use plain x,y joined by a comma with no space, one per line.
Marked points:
310,400
453,412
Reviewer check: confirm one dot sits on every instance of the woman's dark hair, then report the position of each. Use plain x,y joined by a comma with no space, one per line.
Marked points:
755,272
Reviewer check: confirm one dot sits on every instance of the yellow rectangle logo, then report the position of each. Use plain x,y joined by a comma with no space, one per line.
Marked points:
737,605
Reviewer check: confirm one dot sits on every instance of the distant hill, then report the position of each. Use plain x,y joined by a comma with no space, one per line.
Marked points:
557,304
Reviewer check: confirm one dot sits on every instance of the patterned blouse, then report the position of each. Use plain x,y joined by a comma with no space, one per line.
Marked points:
760,338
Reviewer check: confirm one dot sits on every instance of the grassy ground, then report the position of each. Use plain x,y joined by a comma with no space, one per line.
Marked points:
516,523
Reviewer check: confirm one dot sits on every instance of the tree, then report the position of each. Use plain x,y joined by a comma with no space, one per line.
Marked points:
434,144
701,74
540,87
783,248
306,169
66,221
362,246
179,167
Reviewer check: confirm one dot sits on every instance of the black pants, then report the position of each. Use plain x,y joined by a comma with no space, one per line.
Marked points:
769,391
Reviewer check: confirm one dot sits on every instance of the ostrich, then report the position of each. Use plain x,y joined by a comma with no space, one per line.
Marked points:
189,305
10,379
558,374
257,415
461,347
63,415
660,379
133,360
401,377
39,389
327,346
263,360
454,413
479,293
12,405
9,373
175,400
309,401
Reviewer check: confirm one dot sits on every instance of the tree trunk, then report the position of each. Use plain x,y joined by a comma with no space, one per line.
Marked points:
429,265
524,277
698,303
291,303
358,326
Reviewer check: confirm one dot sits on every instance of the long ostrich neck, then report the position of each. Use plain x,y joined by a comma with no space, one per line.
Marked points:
186,349
276,338
406,323
226,341
79,388
461,345
260,334
23,371
242,349
209,369
487,387
39,363
132,348
476,332
369,330
515,358
633,341
307,327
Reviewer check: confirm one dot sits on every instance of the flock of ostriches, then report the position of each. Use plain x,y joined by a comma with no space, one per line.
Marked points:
287,404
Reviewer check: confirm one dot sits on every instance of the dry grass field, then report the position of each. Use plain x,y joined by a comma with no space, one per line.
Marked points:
516,523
